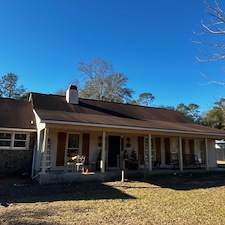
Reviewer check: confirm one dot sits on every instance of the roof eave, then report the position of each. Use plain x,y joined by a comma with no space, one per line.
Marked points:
131,128
17,129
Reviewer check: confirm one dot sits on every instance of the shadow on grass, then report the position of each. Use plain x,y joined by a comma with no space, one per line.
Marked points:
27,216
188,181
30,192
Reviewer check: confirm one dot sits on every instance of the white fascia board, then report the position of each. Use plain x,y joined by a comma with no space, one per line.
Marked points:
128,127
38,119
17,129
40,125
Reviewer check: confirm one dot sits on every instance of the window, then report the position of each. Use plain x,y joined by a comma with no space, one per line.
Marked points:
5,139
174,145
20,140
200,150
73,145
13,140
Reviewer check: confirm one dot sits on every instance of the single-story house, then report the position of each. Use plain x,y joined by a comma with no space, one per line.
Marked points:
107,133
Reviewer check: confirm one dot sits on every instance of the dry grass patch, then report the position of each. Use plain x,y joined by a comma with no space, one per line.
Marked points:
197,200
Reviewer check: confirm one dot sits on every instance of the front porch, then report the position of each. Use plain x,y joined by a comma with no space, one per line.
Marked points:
114,175
108,151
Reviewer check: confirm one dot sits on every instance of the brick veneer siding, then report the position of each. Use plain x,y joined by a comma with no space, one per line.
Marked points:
15,162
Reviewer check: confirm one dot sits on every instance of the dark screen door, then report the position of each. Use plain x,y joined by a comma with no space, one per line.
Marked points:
114,150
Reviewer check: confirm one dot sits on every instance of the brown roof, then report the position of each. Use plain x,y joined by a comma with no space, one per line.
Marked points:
55,108
16,114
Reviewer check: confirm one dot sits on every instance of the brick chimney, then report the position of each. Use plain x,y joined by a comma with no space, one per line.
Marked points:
72,94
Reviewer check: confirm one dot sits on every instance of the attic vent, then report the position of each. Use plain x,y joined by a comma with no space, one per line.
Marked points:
72,94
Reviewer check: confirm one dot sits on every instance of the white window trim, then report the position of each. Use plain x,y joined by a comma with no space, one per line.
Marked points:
12,140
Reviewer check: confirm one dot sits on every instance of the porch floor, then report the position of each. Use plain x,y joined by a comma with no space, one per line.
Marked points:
112,175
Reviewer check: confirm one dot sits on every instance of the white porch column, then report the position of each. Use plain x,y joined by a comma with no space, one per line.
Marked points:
44,150
37,155
206,154
149,152
181,166
102,164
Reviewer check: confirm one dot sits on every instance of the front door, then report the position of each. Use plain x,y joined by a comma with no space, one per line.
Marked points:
114,150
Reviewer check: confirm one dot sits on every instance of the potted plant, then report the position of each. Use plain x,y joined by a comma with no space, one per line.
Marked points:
133,162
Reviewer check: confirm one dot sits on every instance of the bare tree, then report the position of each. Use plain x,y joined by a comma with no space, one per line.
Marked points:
212,28
63,91
211,36
102,83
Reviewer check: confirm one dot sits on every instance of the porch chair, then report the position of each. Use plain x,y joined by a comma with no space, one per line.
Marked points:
197,162
187,161
71,163
174,160
80,163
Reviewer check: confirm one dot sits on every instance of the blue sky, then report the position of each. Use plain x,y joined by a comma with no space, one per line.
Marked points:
150,41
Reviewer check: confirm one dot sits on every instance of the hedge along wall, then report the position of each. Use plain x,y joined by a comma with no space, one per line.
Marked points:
15,162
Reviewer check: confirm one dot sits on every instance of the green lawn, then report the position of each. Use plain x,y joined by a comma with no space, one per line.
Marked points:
178,199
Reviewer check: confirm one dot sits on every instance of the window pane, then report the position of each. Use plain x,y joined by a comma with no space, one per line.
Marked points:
73,141
72,152
20,136
5,136
5,143
19,144
174,145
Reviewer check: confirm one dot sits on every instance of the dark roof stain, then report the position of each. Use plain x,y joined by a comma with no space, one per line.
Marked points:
16,114
55,108
94,107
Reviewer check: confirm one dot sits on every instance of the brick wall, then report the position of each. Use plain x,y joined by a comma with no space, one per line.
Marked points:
15,162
